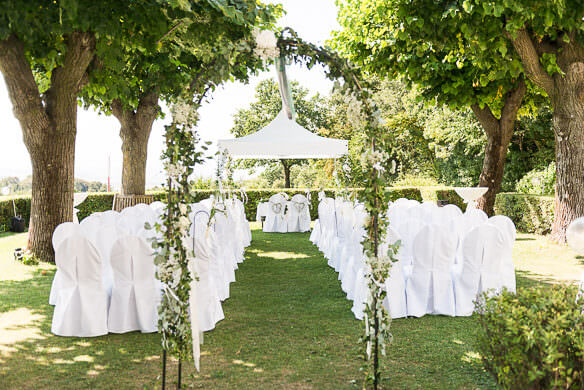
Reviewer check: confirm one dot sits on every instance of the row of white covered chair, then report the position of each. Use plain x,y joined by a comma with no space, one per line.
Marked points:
284,215
446,258
105,279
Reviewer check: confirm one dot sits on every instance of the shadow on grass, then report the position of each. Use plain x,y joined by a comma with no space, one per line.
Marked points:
525,239
288,325
527,279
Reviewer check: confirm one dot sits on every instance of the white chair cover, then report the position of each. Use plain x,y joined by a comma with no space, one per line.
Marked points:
298,214
104,241
275,215
109,217
483,251
135,295
430,289
81,301
506,225
208,302
90,225
63,231
395,285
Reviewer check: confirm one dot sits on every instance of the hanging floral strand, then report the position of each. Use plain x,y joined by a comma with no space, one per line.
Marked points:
172,249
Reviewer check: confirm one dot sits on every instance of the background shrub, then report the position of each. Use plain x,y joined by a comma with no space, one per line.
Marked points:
538,181
530,213
533,339
7,212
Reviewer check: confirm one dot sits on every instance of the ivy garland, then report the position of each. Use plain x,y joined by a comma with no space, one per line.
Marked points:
172,247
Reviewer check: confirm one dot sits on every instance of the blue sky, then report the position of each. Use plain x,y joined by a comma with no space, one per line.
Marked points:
97,135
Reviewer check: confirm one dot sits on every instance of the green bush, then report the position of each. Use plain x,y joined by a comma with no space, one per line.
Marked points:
530,213
533,339
538,181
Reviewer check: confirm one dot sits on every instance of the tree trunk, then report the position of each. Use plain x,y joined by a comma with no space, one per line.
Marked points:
566,92
49,130
53,166
499,133
286,166
135,130
568,122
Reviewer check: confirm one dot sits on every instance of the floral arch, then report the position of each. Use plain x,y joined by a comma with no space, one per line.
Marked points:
184,151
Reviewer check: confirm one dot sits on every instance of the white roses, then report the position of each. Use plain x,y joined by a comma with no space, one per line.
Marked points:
266,44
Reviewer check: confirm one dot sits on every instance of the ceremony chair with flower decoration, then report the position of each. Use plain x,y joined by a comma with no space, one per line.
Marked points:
298,214
275,216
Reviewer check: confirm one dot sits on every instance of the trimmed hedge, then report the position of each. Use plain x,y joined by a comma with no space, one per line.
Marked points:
7,211
96,202
530,213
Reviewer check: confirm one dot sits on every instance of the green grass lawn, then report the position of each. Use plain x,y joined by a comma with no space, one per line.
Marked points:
287,325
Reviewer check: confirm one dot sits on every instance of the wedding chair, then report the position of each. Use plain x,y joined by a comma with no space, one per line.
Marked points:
109,217
131,223
408,230
104,241
275,215
81,300
135,295
429,289
90,225
506,225
224,249
483,249
298,214
206,292
395,302
62,231
157,205
478,216
443,215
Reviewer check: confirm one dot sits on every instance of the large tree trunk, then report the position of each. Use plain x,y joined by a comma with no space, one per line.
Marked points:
287,167
568,122
135,130
49,132
566,92
499,133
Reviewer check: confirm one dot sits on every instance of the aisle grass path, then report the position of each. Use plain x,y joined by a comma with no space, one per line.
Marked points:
288,326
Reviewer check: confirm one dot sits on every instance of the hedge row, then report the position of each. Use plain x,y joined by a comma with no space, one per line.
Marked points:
530,213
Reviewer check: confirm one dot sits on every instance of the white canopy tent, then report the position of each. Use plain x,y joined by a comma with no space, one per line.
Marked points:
283,138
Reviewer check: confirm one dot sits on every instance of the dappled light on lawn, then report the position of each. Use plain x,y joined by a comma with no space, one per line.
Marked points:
18,326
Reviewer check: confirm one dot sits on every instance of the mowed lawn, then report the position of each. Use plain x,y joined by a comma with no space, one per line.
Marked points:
288,325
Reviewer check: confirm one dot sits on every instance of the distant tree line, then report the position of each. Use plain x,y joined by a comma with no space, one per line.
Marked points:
24,186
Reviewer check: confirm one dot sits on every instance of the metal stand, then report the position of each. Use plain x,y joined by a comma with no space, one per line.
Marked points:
179,384
163,369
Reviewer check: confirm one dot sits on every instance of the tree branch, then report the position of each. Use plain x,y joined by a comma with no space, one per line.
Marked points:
526,50
148,109
486,118
24,94
511,106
